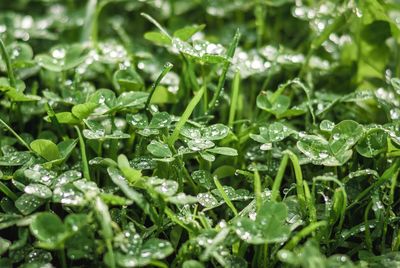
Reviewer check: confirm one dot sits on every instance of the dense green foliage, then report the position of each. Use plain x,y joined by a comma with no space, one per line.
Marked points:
199,133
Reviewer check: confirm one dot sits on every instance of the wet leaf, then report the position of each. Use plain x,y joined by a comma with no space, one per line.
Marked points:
48,228
372,143
268,227
159,149
46,149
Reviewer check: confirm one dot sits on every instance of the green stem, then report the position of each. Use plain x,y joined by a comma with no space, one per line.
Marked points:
310,203
221,81
167,67
19,138
152,20
7,60
110,252
63,260
85,165
368,239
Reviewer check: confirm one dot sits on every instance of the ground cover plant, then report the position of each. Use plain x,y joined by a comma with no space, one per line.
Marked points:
175,133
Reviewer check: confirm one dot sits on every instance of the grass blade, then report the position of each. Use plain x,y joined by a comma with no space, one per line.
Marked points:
221,81
185,116
234,98
6,58
167,67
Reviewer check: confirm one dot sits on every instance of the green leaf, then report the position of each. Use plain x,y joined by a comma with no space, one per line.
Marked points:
131,174
4,245
15,158
38,190
372,143
132,99
376,32
75,222
143,253
160,120
156,248
215,132
103,97
128,79
16,95
159,149
344,136
203,178
317,149
273,133
268,227
82,111
163,187
46,149
192,264
223,150
47,227
158,38
62,58
207,156
66,118
276,106
188,31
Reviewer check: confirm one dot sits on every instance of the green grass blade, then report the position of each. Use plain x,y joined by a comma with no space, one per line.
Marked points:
234,99
299,177
19,138
221,81
167,67
158,25
225,196
7,191
257,189
185,116
7,60
85,165
278,178
304,233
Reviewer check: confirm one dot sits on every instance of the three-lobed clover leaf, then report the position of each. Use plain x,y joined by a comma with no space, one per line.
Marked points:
268,227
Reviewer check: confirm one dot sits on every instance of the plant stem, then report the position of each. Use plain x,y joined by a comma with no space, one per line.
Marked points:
85,165
63,260
7,60
152,20
167,67
19,138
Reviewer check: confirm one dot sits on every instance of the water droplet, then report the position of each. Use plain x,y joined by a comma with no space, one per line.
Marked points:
58,53
266,146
